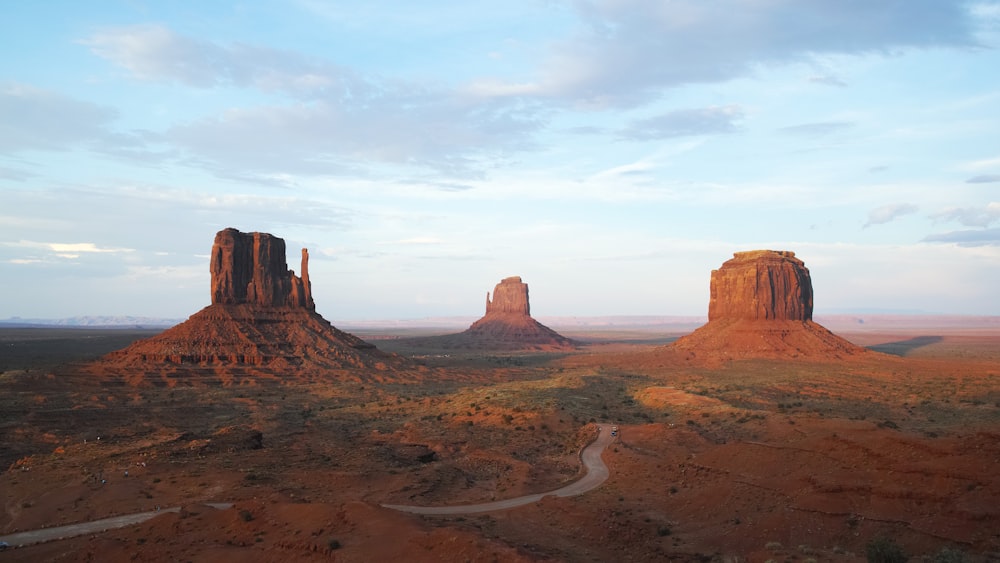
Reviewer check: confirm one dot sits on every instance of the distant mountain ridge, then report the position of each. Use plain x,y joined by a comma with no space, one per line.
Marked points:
99,321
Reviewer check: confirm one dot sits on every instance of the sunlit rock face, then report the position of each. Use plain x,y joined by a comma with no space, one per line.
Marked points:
510,296
761,285
761,306
262,315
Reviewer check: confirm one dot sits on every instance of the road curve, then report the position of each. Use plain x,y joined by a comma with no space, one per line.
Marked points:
597,473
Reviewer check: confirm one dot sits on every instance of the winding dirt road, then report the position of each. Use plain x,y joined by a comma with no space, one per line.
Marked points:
597,473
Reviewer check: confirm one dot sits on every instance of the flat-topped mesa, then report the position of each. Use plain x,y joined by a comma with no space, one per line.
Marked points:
761,285
510,296
250,268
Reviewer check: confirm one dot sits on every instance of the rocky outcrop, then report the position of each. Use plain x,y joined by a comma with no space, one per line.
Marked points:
250,268
506,326
760,306
759,285
510,296
262,316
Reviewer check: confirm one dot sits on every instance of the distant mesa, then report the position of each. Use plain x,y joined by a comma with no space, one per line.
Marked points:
761,305
506,326
262,315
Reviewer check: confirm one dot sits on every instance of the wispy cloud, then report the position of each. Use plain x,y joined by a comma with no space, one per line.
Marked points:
33,118
984,179
816,129
62,250
630,51
154,52
980,237
971,216
890,212
686,122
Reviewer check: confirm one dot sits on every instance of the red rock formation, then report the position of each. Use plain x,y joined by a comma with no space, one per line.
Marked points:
251,268
506,326
761,306
262,315
509,296
761,284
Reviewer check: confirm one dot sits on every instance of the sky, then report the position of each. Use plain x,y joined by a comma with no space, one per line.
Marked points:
612,153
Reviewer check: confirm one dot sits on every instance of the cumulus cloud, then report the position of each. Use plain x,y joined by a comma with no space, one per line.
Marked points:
890,212
680,123
630,50
971,216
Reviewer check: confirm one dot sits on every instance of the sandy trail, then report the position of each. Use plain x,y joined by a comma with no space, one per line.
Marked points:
597,473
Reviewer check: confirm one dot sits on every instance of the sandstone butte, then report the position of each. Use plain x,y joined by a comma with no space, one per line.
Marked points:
506,326
761,306
261,315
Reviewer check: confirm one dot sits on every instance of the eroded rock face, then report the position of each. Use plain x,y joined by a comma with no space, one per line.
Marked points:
250,268
761,306
509,296
761,285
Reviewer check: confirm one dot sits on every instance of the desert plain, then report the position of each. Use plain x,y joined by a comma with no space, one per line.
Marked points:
783,459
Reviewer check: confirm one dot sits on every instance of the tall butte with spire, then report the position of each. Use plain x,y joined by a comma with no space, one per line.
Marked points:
761,305
261,315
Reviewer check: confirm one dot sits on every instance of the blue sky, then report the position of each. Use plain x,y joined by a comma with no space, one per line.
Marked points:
610,152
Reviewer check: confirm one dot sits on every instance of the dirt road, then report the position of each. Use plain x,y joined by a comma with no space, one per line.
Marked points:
597,473
93,527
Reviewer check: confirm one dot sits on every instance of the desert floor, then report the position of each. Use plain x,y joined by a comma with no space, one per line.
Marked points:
753,460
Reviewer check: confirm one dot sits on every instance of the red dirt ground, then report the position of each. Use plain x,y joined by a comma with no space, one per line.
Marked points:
731,460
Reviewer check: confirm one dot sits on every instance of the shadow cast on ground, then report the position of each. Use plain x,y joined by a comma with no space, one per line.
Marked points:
904,347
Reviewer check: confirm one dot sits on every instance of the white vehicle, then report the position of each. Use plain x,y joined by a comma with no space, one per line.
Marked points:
614,430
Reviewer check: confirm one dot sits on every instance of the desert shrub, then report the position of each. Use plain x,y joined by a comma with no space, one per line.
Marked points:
884,550
246,515
949,555
333,544
663,531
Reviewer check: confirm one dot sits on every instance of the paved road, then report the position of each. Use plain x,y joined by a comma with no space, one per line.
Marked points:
597,473
93,527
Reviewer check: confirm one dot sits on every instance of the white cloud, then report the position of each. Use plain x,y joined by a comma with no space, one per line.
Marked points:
153,52
890,212
971,216
630,50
